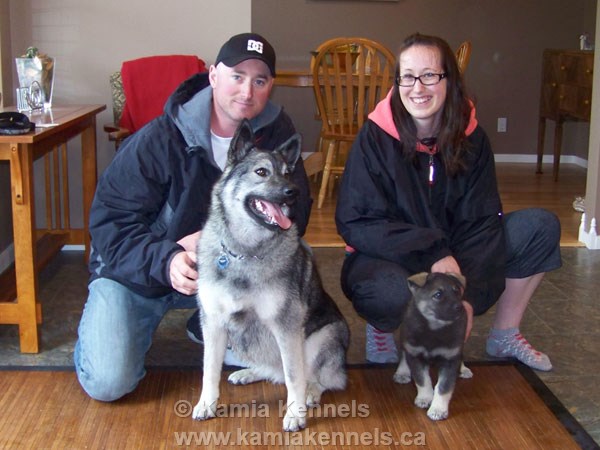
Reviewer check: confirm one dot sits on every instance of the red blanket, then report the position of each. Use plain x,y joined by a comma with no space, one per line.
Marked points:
148,82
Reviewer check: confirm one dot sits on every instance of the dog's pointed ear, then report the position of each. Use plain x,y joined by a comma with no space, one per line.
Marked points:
290,150
242,142
417,281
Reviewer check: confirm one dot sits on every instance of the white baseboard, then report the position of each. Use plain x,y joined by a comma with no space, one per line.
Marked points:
564,159
73,248
589,238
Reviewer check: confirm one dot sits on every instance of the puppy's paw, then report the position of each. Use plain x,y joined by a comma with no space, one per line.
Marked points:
465,372
401,377
204,410
423,402
437,413
243,376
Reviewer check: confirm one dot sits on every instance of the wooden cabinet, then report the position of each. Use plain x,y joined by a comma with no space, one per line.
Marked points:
566,94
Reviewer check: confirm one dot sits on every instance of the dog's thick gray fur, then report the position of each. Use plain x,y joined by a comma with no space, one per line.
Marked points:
433,334
259,289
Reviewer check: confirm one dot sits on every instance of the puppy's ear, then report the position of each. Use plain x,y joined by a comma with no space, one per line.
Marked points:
242,142
461,279
417,281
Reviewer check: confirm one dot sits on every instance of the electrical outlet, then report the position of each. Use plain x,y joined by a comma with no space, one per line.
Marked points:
501,124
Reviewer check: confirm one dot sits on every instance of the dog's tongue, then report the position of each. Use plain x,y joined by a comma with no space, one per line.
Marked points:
278,216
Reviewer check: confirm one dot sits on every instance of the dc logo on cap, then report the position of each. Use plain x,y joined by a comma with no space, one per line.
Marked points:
255,46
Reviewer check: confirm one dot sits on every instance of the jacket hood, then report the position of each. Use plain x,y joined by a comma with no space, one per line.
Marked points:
382,116
187,107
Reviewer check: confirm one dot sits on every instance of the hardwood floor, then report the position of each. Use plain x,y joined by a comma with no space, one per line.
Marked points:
497,408
520,187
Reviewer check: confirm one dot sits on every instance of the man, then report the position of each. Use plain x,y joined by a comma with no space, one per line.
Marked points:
152,201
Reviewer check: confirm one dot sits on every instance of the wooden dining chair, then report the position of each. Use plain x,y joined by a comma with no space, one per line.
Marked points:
463,55
350,76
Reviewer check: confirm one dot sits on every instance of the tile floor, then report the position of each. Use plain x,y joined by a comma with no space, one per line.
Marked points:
563,321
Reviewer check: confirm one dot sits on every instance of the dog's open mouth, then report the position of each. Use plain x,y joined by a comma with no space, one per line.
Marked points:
271,213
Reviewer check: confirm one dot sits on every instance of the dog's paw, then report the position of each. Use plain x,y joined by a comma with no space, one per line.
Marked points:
204,410
293,423
313,396
243,376
402,377
465,372
423,402
295,417
437,413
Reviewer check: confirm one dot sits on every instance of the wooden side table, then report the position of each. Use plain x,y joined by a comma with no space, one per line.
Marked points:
566,95
34,248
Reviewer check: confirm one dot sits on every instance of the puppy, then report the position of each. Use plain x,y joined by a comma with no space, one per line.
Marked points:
433,334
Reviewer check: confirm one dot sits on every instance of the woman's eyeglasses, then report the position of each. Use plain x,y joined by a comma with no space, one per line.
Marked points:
427,79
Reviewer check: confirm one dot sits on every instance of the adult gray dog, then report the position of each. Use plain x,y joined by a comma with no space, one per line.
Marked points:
259,289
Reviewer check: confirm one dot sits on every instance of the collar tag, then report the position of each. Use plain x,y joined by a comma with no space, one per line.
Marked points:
223,261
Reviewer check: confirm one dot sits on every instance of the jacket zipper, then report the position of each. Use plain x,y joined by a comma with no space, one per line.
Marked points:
431,177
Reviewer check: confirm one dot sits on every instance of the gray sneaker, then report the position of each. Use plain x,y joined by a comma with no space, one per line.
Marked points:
381,348
516,346
194,331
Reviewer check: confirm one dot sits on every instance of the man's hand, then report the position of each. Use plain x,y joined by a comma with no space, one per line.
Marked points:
183,273
190,241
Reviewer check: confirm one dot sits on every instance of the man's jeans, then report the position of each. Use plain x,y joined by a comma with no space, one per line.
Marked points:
115,333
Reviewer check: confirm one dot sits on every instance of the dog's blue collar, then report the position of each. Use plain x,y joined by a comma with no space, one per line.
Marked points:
223,259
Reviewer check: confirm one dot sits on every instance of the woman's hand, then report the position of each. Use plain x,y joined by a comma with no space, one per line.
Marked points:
449,265
446,265
469,309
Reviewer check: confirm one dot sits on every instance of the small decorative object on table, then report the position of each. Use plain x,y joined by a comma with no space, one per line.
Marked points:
36,80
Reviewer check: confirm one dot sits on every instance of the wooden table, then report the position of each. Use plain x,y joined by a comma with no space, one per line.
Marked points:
294,78
566,95
34,248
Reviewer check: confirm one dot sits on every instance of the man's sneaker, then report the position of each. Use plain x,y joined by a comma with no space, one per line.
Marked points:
381,348
514,345
194,331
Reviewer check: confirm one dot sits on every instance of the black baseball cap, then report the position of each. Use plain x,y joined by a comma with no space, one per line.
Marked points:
247,46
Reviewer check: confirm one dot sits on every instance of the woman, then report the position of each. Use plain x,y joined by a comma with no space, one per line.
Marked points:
419,194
